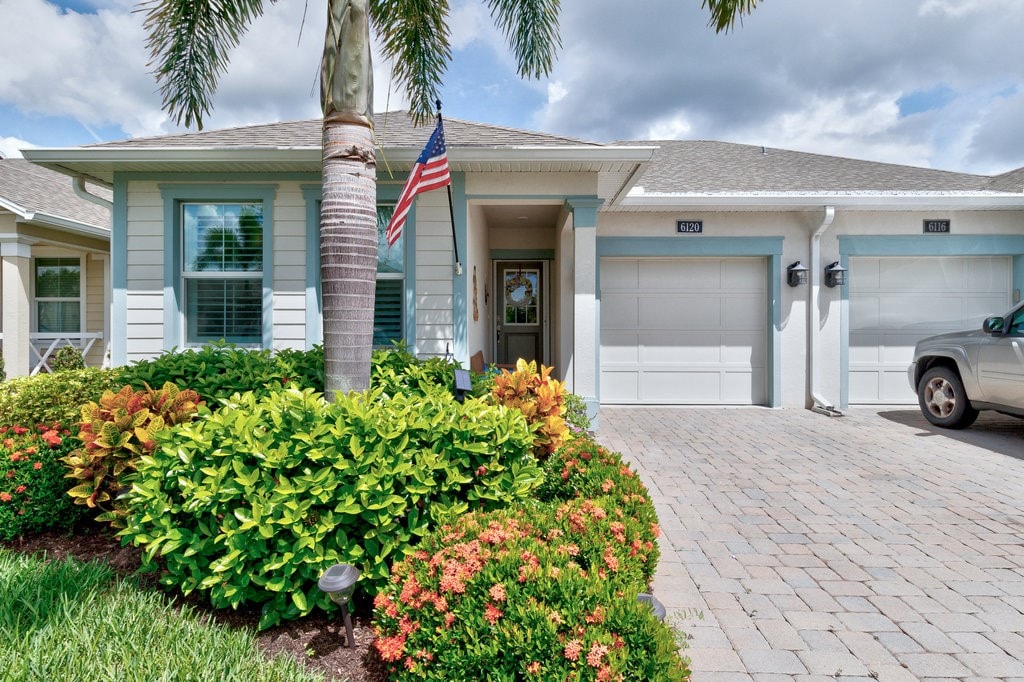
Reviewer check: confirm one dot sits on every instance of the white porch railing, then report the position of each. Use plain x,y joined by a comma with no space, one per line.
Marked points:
44,345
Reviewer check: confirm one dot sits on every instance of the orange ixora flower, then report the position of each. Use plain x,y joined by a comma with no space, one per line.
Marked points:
5,497
533,668
572,649
492,613
596,654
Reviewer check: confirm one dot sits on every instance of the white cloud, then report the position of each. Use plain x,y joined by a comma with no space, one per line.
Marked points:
10,147
799,74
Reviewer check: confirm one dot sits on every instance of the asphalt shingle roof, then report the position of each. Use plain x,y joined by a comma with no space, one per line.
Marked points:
39,190
693,166
392,130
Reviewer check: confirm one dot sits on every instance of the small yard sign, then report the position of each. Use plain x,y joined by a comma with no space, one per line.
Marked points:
690,226
936,226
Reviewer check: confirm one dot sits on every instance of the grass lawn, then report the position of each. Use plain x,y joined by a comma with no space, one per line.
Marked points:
68,620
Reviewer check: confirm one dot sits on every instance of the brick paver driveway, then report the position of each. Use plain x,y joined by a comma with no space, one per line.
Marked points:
800,547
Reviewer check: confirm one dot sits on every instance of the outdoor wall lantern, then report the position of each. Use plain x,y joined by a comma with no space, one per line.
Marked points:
796,274
463,384
339,582
835,275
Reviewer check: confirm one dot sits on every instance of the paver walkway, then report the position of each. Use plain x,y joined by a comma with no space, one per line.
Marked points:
866,547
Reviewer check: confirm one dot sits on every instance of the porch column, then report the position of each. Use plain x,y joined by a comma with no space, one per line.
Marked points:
586,330
17,315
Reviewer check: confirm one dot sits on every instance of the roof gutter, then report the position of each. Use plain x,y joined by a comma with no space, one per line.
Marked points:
80,190
819,404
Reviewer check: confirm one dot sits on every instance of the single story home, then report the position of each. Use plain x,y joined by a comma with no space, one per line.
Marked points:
646,272
55,280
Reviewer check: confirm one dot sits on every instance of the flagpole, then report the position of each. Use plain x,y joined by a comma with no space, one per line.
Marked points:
451,209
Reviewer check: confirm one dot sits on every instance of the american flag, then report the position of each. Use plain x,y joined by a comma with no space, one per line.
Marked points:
430,172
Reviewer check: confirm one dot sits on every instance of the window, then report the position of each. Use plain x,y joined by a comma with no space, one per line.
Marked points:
222,272
390,293
58,286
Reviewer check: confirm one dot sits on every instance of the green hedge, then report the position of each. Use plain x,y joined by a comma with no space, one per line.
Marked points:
57,397
218,371
251,503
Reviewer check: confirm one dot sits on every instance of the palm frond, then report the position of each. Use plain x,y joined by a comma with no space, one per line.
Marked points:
414,35
189,43
531,28
725,13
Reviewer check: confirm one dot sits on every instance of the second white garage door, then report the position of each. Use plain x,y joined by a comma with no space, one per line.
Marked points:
895,302
677,331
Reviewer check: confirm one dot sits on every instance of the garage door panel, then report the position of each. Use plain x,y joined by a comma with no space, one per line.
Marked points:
896,301
664,351
743,312
689,331
690,387
620,274
618,349
743,349
679,312
620,386
739,276
619,311
668,275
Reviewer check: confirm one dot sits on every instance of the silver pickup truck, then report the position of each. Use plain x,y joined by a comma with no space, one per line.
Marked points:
956,375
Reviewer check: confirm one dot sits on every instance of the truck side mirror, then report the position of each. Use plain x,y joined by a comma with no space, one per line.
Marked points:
994,325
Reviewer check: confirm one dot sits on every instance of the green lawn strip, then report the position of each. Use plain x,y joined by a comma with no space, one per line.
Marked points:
67,620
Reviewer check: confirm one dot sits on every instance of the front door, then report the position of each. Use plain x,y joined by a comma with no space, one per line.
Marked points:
519,323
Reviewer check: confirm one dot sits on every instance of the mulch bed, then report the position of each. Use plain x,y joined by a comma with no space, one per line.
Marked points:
317,641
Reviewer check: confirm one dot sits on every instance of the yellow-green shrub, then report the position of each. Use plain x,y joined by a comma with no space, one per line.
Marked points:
251,503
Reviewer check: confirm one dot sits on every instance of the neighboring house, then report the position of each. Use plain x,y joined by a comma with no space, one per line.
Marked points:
645,272
55,245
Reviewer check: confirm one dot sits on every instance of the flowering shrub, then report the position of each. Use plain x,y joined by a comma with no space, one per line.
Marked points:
583,468
251,503
115,433
509,595
540,398
33,491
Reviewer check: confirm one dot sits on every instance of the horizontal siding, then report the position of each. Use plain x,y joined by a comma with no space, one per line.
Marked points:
289,267
434,275
95,310
145,272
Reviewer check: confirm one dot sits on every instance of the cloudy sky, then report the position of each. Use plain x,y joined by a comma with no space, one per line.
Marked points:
936,83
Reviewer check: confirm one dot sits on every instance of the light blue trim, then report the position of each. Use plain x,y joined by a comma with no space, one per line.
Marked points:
685,245
312,194
932,245
388,194
173,195
119,273
584,210
460,312
522,254
922,245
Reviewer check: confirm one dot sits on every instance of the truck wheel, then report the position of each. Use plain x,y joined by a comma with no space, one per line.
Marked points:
943,399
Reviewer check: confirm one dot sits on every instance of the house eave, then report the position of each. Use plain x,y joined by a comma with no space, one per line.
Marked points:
799,201
100,163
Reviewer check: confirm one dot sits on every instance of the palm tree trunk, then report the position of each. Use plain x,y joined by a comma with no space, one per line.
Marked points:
348,254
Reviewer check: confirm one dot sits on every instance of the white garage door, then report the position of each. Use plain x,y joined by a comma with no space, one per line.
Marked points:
678,331
895,302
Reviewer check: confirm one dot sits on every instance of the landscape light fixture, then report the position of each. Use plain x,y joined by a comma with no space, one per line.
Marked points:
796,274
339,582
835,275
463,384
